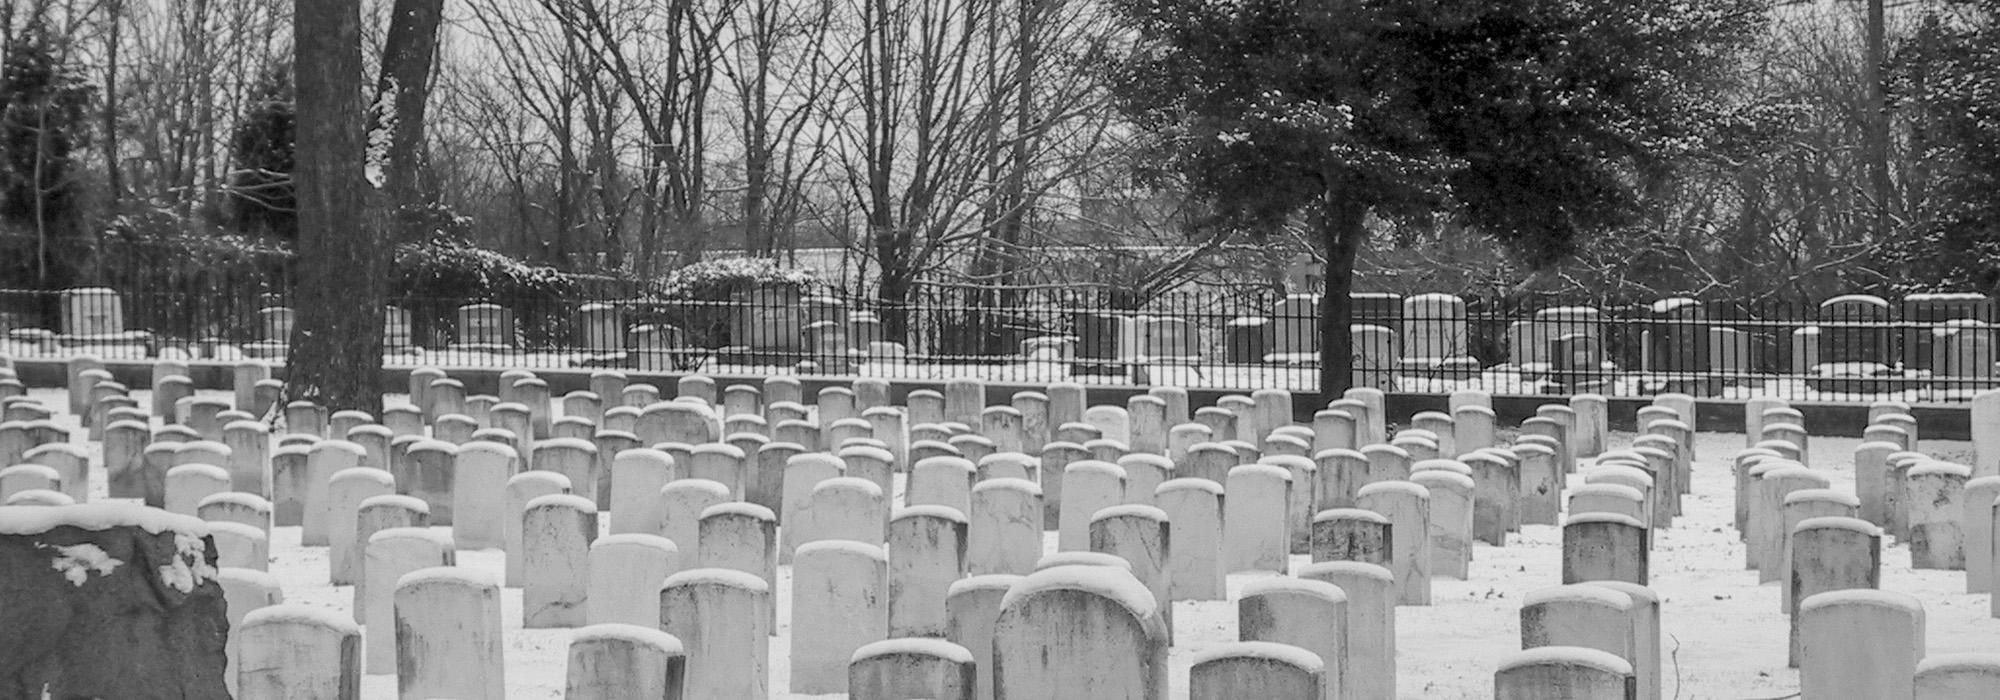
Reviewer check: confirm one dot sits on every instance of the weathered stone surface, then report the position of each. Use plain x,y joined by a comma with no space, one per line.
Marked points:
120,610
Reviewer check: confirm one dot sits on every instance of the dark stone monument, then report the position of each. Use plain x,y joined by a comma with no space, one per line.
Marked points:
109,601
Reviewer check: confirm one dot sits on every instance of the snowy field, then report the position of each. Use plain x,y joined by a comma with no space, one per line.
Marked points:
1724,637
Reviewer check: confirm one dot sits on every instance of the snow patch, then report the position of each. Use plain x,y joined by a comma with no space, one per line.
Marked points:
190,567
380,138
636,539
564,500
712,576
632,634
1116,584
1188,484
743,508
914,646
475,578
1079,558
930,510
1567,656
1265,651
999,582
811,550
1130,510
78,561
1279,585
340,621
30,520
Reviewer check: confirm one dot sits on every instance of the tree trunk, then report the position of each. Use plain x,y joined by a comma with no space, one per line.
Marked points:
336,344
897,281
1341,233
113,180
404,87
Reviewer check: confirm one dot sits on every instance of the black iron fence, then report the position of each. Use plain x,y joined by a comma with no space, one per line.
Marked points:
1852,348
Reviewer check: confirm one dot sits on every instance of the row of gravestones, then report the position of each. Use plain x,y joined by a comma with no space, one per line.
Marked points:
1602,540
353,485
349,486
1951,334
1824,547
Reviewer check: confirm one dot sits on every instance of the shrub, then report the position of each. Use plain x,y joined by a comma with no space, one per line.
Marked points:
696,298
433,278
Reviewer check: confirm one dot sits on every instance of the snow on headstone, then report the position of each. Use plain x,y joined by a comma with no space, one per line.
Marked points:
1194,570
1407,506
617,661
1088,486
1371,624
1583,674
298,651
942,481
927,552
971,607
1256,518
391,554
837,608
740,536
1580,615
1604,547
1830,554
379,513
1859,644
637,475
626,572
556,531
1934,496
718,614
912,667
1451,520
345,493
1077,633
480,507
1139,535
1645,618
1351,534
573,458
245,590
522,489
1802,505
323,460
240,546
1961,675
448,635
1252,669
1306,614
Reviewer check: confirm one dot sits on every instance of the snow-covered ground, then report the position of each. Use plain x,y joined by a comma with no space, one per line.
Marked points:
1724,637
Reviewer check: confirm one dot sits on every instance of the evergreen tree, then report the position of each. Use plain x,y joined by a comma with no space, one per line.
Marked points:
43,125
1537,122
1948,72
260,184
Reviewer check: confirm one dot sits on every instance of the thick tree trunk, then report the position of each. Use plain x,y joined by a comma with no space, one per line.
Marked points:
336,344
1342,230
403,89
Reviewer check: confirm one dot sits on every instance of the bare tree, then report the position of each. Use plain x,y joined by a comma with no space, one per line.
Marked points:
401,94
779,70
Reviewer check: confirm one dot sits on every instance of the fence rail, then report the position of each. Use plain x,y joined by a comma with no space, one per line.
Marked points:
1929,348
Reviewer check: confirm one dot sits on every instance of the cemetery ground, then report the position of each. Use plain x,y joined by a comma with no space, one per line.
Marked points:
1723,637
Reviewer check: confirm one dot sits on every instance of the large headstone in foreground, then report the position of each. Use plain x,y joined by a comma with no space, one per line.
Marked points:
121,600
